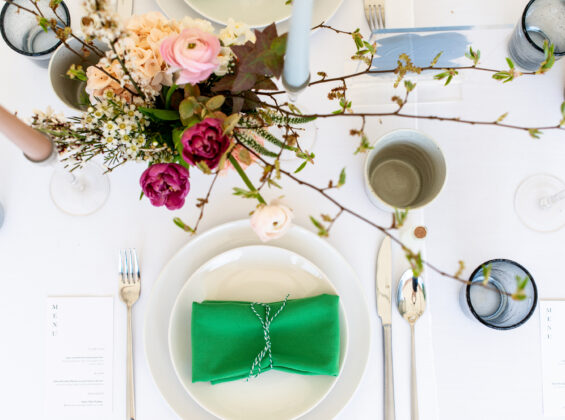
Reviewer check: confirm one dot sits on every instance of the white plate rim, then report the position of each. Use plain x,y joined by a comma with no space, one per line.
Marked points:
320,13
325,278
219,22
361,313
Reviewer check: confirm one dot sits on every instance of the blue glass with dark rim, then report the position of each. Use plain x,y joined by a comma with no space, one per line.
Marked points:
493,306
542,20
22,33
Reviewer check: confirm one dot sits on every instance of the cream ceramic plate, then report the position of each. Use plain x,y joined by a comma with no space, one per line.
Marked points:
256,274
223,238
258,13
253,12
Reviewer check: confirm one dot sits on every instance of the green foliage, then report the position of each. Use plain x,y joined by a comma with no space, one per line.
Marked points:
254,145
215,102
562,122
272,139
399,217
160,114
322,231
344,106
521,283
246,193
509,75
177,221
364,50
76,72
177,137
252,192
44,23
501,118
230,123
534,133
271,117
409,86
342,177
447,74
436,58
415,261
169,95
308,158
486,273
474,56
187,108
302,166
364,144
549,52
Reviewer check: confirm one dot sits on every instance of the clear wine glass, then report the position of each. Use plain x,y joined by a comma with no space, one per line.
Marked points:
539,202
79,192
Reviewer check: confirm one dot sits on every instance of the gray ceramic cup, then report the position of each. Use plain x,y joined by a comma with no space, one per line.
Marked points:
70,91
405,169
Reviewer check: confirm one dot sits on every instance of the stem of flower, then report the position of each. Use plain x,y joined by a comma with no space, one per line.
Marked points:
245,178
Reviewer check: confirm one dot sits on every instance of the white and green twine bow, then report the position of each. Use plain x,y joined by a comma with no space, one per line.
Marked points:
266,324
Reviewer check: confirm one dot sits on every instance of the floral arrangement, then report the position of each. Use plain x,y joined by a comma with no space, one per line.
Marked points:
180,97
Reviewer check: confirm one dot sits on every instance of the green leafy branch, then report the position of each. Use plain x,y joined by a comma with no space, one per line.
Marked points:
340,182
521,283
398,218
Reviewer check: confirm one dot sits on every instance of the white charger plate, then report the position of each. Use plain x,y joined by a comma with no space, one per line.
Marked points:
255,13
255,274
236,234
177,9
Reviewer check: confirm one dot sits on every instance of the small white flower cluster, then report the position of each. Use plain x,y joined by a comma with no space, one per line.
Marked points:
49,117
235,33
121,126
100,21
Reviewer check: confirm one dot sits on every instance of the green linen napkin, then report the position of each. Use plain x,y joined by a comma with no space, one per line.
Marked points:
228,337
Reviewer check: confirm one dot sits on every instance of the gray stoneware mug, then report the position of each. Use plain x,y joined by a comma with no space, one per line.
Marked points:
405,169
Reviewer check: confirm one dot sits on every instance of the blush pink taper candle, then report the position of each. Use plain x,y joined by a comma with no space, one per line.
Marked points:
35,145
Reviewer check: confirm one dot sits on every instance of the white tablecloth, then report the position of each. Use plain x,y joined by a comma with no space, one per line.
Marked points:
481,373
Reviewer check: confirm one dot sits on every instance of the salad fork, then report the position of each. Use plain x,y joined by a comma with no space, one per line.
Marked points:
375,14
130,288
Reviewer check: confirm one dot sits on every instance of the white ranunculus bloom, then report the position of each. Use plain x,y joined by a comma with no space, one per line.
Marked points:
271,221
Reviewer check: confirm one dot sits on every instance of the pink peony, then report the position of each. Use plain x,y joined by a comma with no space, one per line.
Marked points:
166,184
205,142
193,52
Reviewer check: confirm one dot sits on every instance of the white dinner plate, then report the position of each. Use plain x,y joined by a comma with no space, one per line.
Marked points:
177,9
222,238
256,273
255,13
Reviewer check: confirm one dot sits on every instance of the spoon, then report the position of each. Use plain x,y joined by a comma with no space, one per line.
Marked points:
411,301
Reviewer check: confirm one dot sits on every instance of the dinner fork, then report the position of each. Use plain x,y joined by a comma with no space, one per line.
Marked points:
130,288
375,14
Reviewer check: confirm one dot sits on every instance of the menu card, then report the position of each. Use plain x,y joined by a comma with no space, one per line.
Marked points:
552,316
79,352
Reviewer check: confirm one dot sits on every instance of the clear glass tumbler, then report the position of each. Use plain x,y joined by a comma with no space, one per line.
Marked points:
492,305
22,32
542,20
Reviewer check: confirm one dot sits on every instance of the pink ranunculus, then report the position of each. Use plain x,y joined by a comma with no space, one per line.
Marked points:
166,184
193,52
271,221
205,142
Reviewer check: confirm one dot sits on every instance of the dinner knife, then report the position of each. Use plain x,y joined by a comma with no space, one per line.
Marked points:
124,8
384,309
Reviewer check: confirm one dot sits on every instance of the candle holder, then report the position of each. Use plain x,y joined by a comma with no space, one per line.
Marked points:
79,192
308,132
